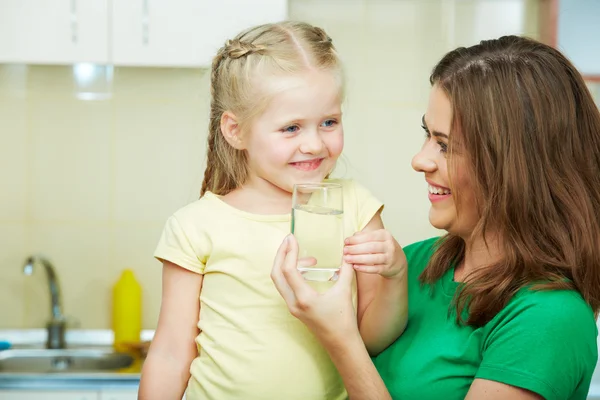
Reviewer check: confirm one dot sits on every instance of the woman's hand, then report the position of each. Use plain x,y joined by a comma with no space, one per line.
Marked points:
329,315
375,252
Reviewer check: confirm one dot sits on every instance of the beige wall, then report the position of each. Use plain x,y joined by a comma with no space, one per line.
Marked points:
89,183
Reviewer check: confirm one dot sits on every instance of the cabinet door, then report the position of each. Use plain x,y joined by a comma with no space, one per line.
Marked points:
47,395
53,31
184,33
130,394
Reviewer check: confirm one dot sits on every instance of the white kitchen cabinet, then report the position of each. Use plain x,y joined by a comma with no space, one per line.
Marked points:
130,394
47,395
54,31
182,32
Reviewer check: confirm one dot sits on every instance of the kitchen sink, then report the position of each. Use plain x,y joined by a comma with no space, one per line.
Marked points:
62,360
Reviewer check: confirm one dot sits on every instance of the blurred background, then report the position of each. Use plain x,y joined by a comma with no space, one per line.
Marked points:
103,121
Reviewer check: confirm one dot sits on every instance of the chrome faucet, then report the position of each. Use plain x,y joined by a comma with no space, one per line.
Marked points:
56,326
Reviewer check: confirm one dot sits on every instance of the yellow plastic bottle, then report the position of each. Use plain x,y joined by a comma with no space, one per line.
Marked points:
126,311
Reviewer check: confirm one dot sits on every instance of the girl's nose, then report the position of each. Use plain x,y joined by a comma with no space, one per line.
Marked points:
312,143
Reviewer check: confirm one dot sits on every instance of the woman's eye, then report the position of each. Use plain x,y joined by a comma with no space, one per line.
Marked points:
443,147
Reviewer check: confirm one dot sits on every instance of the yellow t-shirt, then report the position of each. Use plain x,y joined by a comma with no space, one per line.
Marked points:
250,346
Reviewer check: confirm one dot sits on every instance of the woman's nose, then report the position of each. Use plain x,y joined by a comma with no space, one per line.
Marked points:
423,162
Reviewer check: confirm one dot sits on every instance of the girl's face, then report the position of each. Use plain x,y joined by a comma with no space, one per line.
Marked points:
299,136
432,161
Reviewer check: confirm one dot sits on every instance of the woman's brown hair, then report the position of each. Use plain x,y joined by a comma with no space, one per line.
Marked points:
530,133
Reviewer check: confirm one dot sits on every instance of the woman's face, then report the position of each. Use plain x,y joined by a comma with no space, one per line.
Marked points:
445,213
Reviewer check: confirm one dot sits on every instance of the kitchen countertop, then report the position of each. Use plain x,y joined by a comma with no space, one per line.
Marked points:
124,379
75,338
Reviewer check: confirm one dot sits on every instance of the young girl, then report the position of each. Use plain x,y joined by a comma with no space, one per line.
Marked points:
275,121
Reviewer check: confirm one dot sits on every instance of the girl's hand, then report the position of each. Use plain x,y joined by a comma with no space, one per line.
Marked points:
375,252
329,315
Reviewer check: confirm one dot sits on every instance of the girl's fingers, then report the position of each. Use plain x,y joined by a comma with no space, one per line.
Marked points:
379,235
365,248
366,259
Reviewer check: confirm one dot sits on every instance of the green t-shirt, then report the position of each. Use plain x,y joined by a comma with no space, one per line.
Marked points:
541,341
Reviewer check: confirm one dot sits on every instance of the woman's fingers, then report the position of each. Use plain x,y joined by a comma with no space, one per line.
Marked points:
301,290
346,276
306,262
277,273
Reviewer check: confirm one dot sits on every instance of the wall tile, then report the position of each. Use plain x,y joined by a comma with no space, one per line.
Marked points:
15,157
13,237
160,148
70,159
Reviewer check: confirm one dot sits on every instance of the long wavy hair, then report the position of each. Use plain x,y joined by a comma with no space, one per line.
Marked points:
530,132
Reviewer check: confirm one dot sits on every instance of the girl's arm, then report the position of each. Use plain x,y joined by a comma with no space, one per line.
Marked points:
166,370
382,285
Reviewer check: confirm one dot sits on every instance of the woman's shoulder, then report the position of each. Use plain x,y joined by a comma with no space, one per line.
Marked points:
565,305
556,313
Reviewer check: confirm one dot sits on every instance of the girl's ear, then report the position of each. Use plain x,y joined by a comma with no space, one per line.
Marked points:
231,131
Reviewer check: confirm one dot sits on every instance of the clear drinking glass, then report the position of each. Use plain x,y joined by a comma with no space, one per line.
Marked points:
318,225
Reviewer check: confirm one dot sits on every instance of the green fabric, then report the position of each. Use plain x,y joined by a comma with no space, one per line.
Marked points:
541,341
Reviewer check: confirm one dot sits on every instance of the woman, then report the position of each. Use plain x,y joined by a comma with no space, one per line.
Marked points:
504,305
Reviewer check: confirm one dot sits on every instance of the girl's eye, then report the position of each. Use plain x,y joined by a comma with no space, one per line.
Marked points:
329,123
290,129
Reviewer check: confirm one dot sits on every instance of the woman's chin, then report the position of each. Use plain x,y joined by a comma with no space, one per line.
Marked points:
439,222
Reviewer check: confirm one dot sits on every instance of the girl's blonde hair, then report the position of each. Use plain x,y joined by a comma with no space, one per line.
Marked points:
237,70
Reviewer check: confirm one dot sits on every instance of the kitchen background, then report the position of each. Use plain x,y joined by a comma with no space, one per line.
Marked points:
95,158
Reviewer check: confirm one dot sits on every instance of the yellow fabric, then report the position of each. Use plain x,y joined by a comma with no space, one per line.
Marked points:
250,346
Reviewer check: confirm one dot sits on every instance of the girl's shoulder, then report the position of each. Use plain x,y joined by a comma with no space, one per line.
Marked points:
203,207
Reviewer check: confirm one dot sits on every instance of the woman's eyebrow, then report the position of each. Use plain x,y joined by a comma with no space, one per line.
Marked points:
434,133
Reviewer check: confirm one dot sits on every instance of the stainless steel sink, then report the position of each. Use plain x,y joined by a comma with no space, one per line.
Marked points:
62,360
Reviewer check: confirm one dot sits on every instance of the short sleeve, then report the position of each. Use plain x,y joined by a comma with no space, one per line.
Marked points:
175,245
366,204
544,342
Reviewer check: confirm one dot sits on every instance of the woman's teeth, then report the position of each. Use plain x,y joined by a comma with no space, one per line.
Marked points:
438,190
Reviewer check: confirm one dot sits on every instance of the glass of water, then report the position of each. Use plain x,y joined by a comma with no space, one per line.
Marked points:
318,225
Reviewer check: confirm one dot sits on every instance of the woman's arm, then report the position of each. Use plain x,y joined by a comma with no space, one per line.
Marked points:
331,318
382,285
166,370
361,379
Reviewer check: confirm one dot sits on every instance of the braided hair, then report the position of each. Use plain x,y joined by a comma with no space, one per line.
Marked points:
262,51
